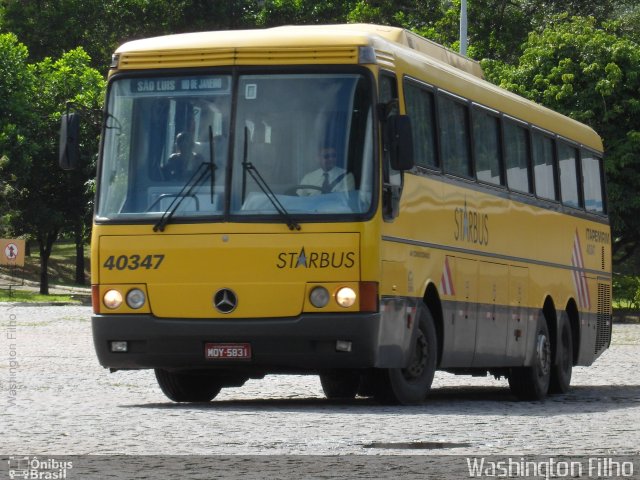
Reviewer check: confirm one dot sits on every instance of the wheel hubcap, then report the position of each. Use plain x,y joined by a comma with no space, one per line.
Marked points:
419,358
543,353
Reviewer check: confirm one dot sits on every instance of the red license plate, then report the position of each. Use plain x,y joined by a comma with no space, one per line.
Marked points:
227,351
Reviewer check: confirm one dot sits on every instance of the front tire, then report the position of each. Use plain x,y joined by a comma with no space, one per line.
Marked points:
532,382
411,385
187,387
340,385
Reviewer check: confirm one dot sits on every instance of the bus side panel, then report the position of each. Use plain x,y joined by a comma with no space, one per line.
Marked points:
460,316
518,324
491,336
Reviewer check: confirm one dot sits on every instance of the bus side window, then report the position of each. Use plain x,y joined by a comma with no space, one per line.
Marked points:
516,153
567,158
420,104
593,182
391,178
453,123
486,146
543,166
389,93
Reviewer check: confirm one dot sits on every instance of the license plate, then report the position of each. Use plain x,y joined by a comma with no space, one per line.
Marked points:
227,351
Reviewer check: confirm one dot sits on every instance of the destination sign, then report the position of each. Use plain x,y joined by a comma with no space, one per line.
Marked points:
179,84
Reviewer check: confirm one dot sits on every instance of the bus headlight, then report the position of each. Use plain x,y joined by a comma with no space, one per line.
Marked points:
346,297
112,299
135,298
319,297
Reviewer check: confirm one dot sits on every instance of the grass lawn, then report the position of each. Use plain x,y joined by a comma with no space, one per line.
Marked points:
24,296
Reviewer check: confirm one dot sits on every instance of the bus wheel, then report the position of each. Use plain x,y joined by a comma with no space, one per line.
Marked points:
187,387
338,384
532,382
561,370
367,383
411,385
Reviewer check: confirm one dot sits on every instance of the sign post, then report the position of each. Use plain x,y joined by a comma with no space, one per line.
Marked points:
12,252
12,256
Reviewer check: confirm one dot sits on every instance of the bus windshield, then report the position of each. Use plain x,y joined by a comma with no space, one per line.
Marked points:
207,142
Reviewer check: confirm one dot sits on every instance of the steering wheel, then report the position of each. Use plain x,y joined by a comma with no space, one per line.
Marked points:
173,195
294,190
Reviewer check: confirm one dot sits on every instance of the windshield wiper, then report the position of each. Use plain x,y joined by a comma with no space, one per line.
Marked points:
204,169
255,174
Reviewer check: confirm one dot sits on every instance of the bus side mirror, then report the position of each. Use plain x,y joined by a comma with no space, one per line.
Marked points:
399,142
69,152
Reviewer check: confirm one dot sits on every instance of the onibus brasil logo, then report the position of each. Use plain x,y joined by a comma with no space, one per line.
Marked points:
35,468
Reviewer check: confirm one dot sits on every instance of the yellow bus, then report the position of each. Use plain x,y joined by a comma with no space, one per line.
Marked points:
351,201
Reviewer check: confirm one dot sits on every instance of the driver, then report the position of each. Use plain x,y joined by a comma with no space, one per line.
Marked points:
183,161
328,178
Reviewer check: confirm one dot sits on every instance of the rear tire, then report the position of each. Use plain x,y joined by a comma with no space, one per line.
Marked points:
187,387
338,384
561,370
411,385
532,382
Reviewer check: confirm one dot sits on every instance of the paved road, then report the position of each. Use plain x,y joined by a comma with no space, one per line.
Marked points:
66,404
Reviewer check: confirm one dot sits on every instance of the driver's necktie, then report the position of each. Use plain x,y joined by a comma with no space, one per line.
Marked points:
326,188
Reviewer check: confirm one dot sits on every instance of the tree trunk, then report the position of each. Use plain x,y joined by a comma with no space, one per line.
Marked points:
80,277
45,243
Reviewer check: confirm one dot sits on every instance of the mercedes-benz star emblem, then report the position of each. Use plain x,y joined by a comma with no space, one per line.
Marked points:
225,300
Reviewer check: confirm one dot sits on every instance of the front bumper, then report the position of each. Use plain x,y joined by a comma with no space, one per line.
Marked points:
307,342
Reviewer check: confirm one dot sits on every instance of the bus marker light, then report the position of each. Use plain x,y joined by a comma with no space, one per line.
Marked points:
95,298
366,55
135,298
346,297
119,346
319,297
112,299
343,346
369,297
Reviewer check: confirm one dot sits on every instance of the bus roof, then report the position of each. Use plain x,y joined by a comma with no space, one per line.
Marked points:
302,36
339,44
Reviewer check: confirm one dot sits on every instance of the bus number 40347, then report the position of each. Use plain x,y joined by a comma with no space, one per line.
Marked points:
133,262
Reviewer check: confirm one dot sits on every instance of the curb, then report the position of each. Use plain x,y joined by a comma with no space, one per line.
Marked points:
45,304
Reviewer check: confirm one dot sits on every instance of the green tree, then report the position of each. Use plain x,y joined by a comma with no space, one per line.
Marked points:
61,200
543,12
399,13
51,28
300,12
45,200
592,75
16,82
497,28
626,290
629,20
